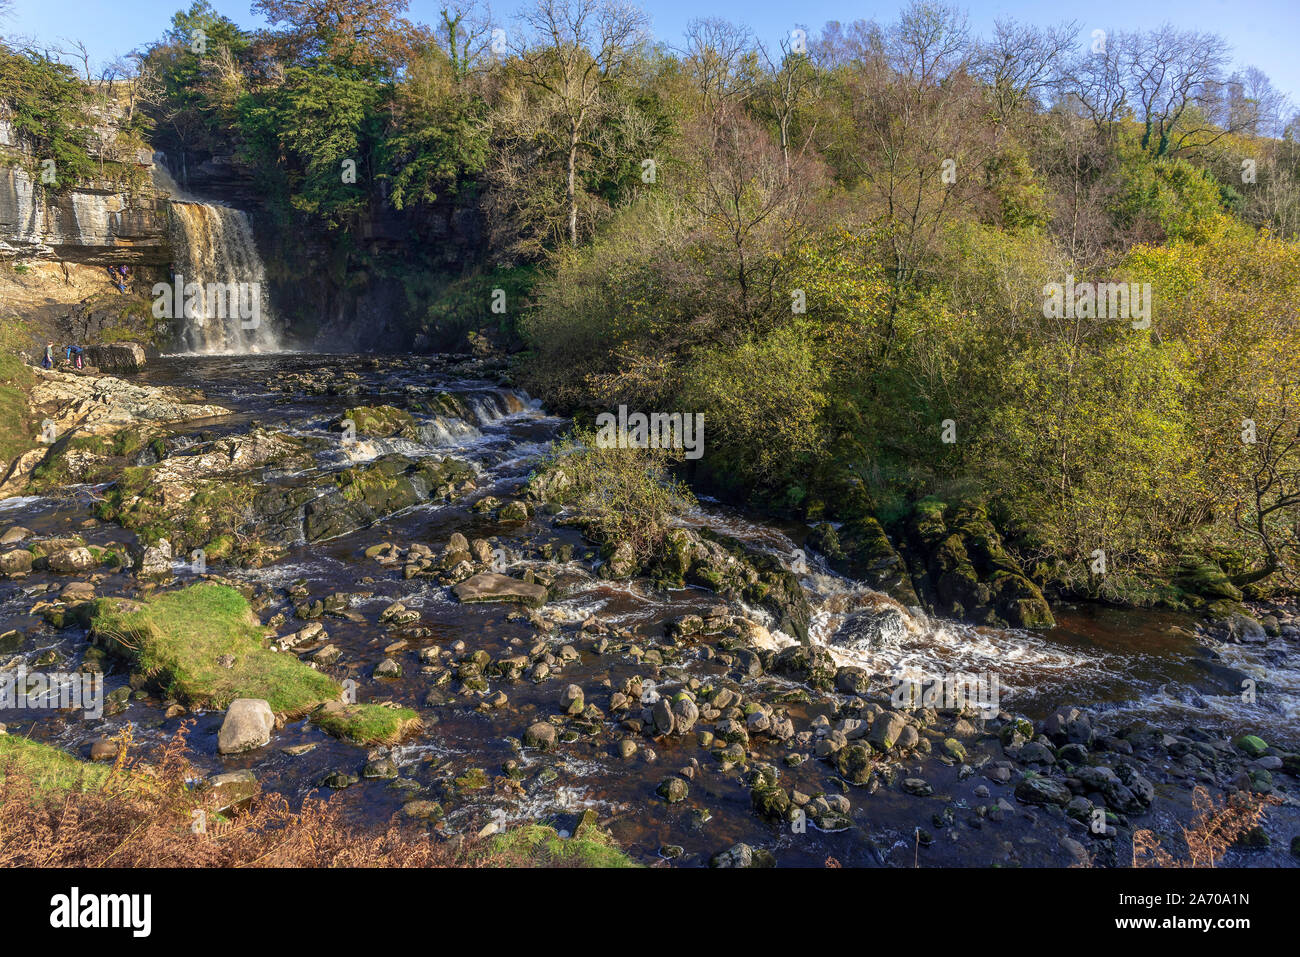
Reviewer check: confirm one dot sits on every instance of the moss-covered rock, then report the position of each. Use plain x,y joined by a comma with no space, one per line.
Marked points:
367,724
381,422
962,570
866,554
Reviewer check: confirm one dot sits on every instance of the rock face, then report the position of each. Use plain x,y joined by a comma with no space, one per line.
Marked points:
489,586
116,357
247,726
961,569
94,225
103,405
862,550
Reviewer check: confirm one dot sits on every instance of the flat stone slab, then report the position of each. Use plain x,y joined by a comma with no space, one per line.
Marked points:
489,586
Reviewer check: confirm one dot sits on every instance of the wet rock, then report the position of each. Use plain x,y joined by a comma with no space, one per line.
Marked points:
1252,745
743,855
770,803
380,768
917,787
513,512
541,735
1043,791
104,750
15,534
423,810
388,668
662,715
685,713
673,790
872,631
16,562
247,725
855,762
230,790
621,560
1035,753
1069,727
72,560
852,680
571,701
885,731
489,586
811,664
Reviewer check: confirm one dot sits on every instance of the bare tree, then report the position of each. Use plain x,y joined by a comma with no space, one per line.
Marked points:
1024,64
718,56
1168,72
76,51
1095,88
746,205
573,51
789,85
465,36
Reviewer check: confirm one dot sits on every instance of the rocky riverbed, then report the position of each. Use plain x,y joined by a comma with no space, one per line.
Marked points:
383,521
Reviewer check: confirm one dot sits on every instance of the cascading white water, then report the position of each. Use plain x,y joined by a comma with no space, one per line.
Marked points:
216,260
218,269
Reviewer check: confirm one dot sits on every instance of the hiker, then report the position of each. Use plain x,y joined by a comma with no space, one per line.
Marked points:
48,361
74,354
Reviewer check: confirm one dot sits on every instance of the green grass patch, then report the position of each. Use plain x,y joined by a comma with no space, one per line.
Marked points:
49,768
366,723
537,845
16,380
203,645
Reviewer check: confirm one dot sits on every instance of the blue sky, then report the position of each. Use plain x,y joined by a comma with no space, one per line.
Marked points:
1263,33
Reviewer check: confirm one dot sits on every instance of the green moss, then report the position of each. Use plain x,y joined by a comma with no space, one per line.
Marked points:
382,421
50,768
537,845
177,638
366,723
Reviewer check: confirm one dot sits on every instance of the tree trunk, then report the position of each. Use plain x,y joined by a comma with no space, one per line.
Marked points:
571,189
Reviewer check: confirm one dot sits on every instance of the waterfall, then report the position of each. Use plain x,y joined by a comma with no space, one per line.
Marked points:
222,272
216,259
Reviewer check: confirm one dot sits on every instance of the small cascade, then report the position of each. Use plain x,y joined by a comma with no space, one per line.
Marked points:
219,289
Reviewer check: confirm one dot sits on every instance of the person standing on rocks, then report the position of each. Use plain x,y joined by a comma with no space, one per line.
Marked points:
48,361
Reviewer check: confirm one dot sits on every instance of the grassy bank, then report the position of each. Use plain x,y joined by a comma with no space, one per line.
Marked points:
203,645
16,380
48,769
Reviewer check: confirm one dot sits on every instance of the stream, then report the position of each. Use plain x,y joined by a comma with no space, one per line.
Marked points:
1121,666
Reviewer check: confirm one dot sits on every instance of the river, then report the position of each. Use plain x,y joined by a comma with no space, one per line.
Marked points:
1123,666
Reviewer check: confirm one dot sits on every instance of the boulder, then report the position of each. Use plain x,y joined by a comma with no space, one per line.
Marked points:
489,586
116,357
248,725
72,560
16,562
1043,791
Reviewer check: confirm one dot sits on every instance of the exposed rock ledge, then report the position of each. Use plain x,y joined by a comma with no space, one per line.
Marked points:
98,405
103,405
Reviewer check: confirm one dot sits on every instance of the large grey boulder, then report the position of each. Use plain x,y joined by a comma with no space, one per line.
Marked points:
489,586
247,726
